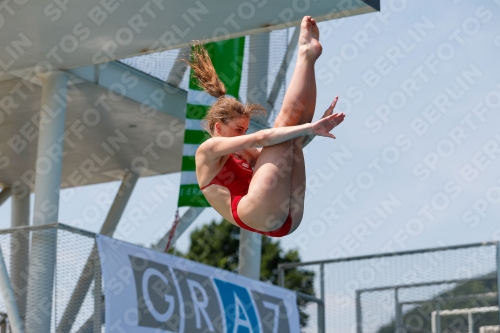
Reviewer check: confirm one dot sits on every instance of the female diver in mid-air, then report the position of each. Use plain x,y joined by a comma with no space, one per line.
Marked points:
270,198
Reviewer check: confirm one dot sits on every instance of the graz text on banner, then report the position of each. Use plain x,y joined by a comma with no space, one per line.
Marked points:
149,291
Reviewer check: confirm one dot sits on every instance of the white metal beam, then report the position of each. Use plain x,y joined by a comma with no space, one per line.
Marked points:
47,187
107,32
498,275
119,204
19,247
436,316
249,256
159,95
468,310
98,297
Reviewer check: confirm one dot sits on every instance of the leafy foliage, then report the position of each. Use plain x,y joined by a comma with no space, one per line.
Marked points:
217,244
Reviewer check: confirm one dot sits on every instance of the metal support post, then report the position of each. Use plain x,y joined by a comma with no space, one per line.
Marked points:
46,209
9,298
498,277
97,294
433,322
359,319
19,246
321,306
438,318
249,254
281,277
401,319
89,270
397,319
470,317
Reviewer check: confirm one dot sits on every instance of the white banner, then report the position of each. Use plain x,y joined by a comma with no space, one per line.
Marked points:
147,291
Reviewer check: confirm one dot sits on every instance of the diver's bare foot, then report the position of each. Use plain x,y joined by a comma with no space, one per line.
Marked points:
315,29
309,38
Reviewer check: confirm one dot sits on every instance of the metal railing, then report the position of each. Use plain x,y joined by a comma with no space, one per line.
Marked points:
77,297
353,294
367,293
320,302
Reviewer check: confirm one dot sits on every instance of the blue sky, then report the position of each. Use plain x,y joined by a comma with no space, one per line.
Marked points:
416,161
457,38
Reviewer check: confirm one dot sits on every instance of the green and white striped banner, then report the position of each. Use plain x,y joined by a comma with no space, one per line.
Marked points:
227,58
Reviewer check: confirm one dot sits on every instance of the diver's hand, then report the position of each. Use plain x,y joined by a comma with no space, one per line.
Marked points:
323,126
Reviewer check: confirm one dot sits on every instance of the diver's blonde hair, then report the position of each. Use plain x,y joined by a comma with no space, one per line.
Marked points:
225,108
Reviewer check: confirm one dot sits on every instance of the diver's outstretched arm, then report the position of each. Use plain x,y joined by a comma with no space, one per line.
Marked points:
220,146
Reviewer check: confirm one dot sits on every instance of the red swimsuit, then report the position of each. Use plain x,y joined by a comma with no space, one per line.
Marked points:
235,175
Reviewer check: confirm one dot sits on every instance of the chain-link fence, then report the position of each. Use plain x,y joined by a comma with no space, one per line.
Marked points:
77,301
77,304
449,289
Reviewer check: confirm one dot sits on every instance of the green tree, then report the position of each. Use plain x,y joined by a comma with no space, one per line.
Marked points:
217,244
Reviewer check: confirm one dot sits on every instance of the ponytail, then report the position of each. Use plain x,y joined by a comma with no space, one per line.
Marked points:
224,109
204,71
